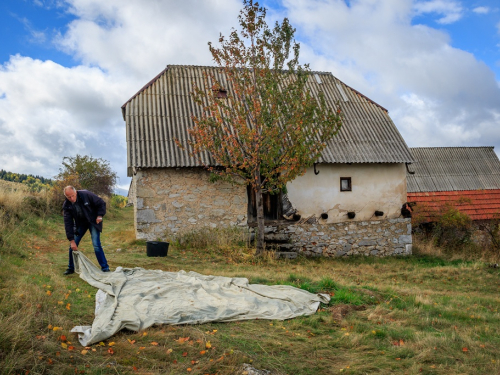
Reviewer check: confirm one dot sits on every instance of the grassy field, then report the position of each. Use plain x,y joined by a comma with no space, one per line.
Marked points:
415,315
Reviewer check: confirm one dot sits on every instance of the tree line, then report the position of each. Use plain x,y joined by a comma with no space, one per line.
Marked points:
34,183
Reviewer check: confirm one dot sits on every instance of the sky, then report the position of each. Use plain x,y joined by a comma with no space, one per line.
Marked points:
67,66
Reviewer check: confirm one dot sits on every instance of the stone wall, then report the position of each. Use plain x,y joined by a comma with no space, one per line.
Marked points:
171,201
375,238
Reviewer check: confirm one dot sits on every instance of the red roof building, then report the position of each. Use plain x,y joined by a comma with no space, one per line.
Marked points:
466,178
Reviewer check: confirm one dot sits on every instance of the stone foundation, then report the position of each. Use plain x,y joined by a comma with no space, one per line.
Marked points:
374,238
170,201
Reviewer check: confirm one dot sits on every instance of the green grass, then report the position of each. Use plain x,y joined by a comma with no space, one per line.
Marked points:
412,315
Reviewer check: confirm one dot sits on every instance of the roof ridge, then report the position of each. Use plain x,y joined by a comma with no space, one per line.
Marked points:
170,66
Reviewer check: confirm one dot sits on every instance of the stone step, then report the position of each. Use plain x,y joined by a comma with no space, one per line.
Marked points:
285,255
280,246
276,237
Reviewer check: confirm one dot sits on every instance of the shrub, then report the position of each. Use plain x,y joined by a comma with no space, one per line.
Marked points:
118,201
453,228
89,173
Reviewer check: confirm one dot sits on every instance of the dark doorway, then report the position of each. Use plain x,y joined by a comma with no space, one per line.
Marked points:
273,206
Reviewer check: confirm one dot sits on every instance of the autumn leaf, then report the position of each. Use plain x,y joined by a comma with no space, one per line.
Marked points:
50,326
189,369
68,306
169,351
208,345
202,352
64,345
142,347
71,348
154,343
184,354
111,351
131,341
57,328
84,351
465,350
111,344
134,368
62,338
144,333
49,293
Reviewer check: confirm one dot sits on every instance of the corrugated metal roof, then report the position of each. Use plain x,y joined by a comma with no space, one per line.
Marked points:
161,112
478,204
453,169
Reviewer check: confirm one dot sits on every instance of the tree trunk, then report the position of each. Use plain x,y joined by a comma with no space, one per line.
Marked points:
260,218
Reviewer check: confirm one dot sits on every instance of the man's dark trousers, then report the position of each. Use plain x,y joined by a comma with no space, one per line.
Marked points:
96,242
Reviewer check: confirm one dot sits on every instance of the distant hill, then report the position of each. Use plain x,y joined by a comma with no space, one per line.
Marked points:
33,183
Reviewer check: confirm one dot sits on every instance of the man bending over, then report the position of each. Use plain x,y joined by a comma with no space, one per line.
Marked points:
83,211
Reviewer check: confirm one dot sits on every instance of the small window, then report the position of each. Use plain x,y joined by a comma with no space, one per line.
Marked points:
345,184
222,94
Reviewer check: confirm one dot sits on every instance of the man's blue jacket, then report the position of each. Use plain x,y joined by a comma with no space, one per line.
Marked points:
92,206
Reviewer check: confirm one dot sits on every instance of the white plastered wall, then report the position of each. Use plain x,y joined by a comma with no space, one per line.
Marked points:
375,187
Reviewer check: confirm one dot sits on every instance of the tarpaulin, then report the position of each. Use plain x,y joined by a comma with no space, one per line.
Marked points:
136,298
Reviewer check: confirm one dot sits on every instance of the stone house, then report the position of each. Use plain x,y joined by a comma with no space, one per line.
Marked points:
467,178
349,203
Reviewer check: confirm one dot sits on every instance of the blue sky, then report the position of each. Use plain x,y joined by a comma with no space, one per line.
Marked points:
66,66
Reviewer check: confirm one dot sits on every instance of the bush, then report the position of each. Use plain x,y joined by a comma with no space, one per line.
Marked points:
453,228
88,173
118,201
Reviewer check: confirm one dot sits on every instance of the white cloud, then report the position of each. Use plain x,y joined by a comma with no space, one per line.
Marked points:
48,111
436,94
481,10
450,10
140,38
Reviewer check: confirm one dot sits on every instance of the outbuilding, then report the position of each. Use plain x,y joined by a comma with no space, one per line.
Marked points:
348,203
466,178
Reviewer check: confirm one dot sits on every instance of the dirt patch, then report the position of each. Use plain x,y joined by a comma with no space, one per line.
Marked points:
339,312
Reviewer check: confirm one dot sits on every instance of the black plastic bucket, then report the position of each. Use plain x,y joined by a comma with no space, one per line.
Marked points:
156,248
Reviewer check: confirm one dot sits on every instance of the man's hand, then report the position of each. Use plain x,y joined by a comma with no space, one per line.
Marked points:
99,219
73,246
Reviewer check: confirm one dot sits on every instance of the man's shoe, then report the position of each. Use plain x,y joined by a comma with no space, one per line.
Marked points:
105,270
69,271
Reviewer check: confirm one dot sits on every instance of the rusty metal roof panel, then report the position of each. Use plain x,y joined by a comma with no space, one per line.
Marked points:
161,113
453,169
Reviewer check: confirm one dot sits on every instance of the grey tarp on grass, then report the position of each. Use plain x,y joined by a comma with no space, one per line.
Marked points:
136,298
